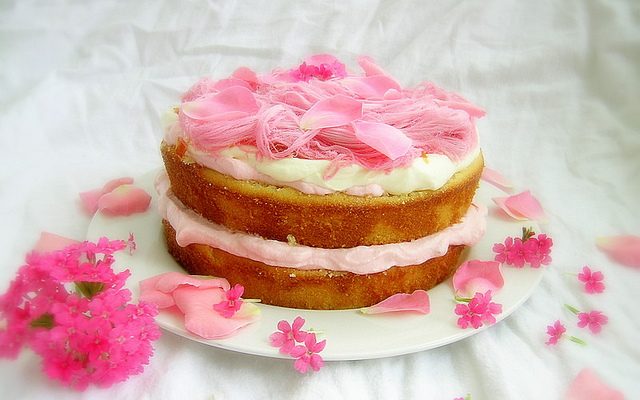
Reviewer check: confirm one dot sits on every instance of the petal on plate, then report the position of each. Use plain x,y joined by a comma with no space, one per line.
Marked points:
624,249
477,276
123,201
386,139
170,281
149,292
331,112
371,87
588,385
49,242
521,206
232,102
417,301
496,179
90,198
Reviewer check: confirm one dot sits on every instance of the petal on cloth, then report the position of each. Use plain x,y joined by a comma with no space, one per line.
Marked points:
624,249
386,139
477,276
587,385
418,301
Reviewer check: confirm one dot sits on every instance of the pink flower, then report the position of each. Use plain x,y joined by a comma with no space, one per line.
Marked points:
592,280
529,249
512,252
537,250
593,319
480,310
555,332
307,355
288,336
322,67
227,308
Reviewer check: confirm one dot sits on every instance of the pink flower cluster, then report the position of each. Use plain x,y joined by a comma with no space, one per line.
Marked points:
478,311
306,355
322,71
528,249
91,336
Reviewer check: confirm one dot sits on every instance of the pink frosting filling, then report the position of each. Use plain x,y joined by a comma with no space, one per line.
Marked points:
192,228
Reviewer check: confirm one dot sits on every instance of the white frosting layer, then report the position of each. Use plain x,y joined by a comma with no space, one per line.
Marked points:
192,228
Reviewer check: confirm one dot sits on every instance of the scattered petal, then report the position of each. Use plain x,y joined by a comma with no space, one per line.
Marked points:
124,200
232,102
587,385
223,84
477,276
390,141
417,301
521,206
335,111
369,67
90,199
158,289
555,332
371,87
593,319
496,179
592,280
624,249
49,242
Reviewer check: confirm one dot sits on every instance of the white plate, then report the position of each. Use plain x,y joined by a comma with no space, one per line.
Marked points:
350,334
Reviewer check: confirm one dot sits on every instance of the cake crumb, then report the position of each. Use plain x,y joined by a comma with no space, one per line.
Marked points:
291,240
292,275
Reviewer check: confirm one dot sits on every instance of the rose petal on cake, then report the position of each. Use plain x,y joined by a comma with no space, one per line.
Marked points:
369,67
49,242
418,301
223,84
390,141
150,293
623,249
170,281
247,75
201,319
331,112
90,198
318,59
371,87
477,276
232,102
123,201
521,206
588,385
496,179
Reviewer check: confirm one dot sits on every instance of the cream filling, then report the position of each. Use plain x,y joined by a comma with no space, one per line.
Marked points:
191,228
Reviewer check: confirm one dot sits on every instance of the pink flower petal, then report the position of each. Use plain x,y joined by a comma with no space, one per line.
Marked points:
624,249
150,293
371,87
223,84
170,281
49,242
477,276
417,301
202,320
89,199
369,67
318,59
390,141
123,201
587,385
334,111
232,102
247,75
521,206
496,179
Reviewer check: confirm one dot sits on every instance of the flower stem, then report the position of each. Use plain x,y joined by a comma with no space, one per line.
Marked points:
527,233
43,321
462,299
252,300
89,289
572,309
577,340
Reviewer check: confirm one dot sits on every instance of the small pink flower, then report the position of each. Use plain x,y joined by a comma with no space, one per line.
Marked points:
307,355
479,311
592,280
511,252
593,319
288,336
227,308
529,249
555,332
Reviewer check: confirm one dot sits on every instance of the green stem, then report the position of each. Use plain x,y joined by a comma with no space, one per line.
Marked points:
572,309
577,340
43,321
89,289
462,299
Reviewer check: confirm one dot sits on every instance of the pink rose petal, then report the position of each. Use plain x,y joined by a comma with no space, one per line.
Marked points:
521,206
150,293
89,199
477,276
587,385
496,179
232,102
390,141
318,59
123,201
417,301
369,67
334,111
624,249
371,87
247,75
223,84
170,281
49,242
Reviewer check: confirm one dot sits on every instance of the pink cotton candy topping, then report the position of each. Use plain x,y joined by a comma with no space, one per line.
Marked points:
124,200
390,141
496,179
307,112
477,276
587,385
418,301
521,206
624,249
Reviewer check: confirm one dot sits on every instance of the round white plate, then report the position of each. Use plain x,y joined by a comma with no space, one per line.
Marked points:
350,334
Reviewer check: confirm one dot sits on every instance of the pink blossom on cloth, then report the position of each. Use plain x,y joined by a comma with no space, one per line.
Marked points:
418,301
555,332
496,179
592,280
477,276
587,385
592,319
521,206
624,249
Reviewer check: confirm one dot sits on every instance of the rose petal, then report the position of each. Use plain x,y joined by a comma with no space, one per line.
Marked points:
223,84
89,199
369,67
335,111
521,206
318,59
624,249
588,385
390,141
233,102
201,319
247,75
371,87
150,293
417,301
477,276
170,281
123,201
496,179
49,242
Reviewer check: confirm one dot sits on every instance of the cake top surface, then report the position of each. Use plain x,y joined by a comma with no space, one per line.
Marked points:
319,110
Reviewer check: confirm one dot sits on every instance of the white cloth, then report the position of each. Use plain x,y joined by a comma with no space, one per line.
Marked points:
83,85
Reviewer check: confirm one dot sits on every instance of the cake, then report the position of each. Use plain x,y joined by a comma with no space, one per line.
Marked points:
319,188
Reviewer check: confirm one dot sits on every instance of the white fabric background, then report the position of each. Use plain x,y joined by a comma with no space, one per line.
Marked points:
82,86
